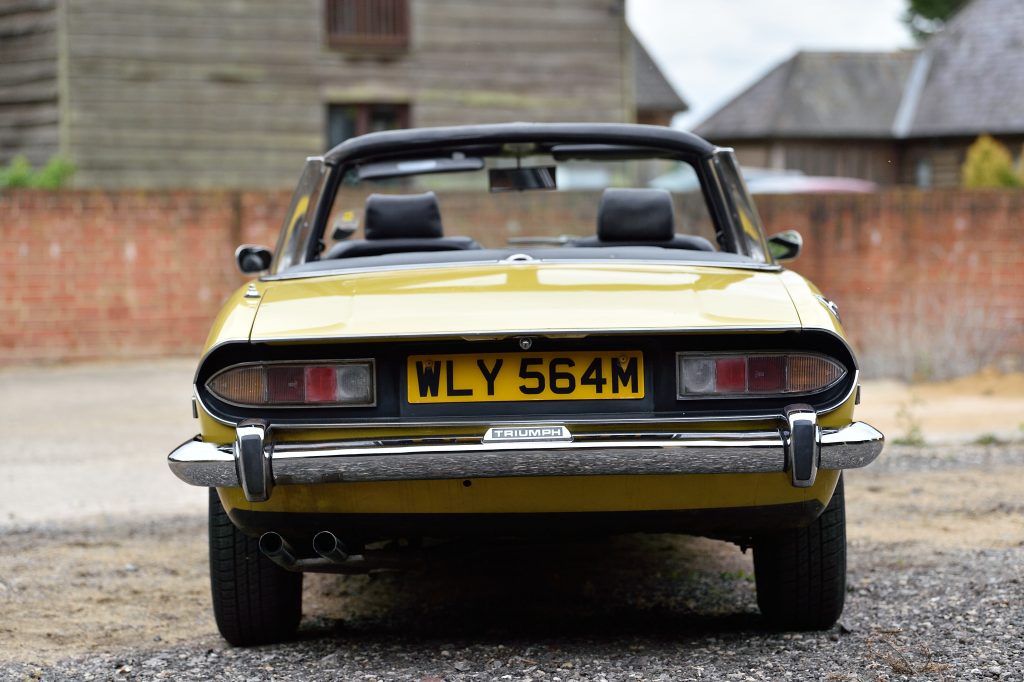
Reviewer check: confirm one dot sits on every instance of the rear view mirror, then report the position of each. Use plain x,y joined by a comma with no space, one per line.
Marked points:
522,179
397,169
785,245
252,259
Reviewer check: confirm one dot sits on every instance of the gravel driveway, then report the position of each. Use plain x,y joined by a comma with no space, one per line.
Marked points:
936,586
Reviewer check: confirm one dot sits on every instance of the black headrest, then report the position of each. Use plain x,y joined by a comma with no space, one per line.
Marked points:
402,216
635,215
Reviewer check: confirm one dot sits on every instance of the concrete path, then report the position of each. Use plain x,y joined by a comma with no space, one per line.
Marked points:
92,440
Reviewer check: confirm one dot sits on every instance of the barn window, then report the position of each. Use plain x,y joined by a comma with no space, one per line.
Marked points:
367,24
349,120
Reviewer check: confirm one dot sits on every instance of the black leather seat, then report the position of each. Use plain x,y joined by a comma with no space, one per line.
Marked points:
639,217
400,223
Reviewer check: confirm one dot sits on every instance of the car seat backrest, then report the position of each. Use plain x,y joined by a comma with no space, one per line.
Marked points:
635,215
400,223
403,216
639,217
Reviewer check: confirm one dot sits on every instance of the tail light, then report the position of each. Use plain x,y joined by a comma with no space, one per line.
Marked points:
703,374
323,384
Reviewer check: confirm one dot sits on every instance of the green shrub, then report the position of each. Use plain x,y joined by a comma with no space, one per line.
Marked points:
55,174
989,164
19,174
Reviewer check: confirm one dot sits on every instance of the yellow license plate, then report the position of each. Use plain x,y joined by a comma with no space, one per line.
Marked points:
501,377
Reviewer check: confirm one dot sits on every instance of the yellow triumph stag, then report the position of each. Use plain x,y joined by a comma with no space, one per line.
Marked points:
627,356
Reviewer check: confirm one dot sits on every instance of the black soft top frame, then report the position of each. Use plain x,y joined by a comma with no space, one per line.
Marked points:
414,141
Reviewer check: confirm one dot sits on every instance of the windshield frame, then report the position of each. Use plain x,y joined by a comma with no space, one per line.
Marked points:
723,189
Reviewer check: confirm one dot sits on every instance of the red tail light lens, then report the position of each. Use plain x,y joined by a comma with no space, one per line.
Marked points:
766,374
731,375
285,385
347,383
706,374
321,384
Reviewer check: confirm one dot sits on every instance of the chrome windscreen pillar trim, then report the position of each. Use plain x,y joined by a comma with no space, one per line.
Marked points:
802,437
253,460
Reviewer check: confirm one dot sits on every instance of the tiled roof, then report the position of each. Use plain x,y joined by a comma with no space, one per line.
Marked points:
969,79
975,78
815,95
653,91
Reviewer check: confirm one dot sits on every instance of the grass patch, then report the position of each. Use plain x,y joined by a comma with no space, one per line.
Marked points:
988,439
886,649
912,434
740,575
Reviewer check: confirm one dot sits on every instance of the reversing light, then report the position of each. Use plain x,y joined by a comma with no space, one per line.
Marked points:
345,383
706,374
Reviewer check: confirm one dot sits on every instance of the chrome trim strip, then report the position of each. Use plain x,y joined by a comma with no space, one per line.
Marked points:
734,265
607,454
567,332
831,306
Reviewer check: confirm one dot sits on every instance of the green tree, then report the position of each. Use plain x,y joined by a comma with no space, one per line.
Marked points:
989,164
925,17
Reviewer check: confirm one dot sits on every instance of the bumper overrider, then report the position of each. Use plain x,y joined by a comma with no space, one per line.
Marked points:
256,463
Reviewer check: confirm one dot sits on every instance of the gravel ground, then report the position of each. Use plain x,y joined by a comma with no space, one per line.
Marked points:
936,592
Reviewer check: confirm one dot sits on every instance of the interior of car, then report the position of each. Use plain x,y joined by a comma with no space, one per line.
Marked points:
410,223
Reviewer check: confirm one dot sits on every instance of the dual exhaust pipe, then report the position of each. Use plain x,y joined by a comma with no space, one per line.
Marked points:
325,543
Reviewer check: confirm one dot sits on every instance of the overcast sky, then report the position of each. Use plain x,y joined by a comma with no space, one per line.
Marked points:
713,49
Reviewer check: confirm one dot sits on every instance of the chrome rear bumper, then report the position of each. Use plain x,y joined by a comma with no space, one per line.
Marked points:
256,463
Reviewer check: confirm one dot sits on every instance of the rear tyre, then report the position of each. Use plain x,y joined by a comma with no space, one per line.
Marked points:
255,601
801,573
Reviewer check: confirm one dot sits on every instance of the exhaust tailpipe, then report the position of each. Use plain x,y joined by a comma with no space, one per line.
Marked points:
327,545
277,549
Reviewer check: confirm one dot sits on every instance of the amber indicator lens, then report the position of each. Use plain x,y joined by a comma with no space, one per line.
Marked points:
755,374
807,373
244,386
348,383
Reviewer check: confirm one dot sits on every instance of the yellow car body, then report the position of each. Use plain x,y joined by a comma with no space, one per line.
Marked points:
387,305
367,391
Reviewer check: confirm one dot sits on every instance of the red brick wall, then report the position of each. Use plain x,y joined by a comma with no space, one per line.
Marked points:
929,283
118,274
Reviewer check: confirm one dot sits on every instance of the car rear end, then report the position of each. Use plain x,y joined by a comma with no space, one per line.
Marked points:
371,400
542,429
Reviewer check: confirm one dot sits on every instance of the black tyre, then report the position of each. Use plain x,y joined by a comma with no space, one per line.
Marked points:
255,601
801,573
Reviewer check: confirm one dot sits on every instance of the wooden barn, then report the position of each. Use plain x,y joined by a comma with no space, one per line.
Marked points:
894,117
184,93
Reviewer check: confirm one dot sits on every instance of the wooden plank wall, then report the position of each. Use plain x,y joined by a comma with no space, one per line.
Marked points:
190,93
28,80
